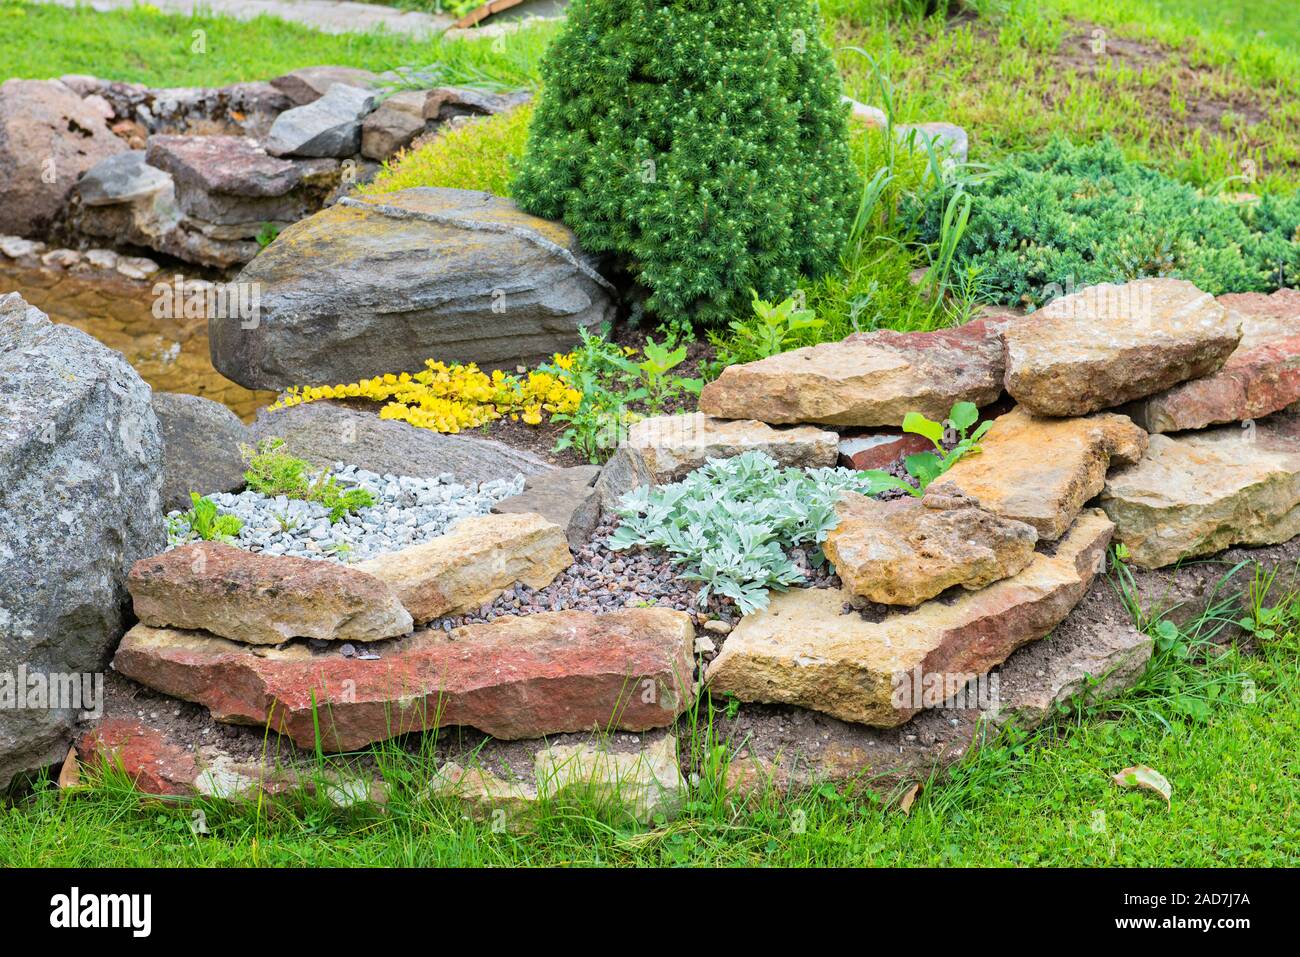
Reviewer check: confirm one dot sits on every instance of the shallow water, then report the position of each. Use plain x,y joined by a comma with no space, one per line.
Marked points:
170,354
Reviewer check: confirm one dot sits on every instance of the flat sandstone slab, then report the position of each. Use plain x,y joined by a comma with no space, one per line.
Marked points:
518,677
262,599
673,445
1200,492
869,379
1110,344
804,650
903,552
1041,471
1261,377
472,564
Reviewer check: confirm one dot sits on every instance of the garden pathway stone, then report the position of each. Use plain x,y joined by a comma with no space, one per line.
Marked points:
516,677
1041,471
1198,492
806,649
1261,377
1110,344
327,16
869,379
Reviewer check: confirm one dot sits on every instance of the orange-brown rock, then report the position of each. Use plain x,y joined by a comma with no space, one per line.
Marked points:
1261,377
1041,471
868,379
517,677
903,552
805,649
1110,344
262,599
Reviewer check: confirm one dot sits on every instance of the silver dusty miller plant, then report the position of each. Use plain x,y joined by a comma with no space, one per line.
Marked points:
731,523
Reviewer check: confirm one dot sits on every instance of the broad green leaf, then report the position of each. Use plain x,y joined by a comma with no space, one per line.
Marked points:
916,423
963,415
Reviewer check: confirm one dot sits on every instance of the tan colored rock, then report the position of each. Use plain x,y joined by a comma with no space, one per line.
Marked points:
902,552
645,783
262,599
1261,377
472,564
1200,492
869,379
1110,344
1041,471
804,649
673,445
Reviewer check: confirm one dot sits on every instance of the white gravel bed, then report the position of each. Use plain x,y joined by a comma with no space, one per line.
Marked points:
407,511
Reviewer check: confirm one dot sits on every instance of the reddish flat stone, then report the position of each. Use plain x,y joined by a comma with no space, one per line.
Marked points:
155,764
263,599
880,450
512,678
1261,377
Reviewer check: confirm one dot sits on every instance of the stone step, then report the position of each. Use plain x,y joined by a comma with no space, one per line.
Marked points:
805,649
517,677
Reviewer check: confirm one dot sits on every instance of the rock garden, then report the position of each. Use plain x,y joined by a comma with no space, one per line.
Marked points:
672,431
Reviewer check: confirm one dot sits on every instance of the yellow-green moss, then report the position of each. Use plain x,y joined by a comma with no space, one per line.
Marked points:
479,155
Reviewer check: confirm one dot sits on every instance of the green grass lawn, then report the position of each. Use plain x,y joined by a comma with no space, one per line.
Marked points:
145,46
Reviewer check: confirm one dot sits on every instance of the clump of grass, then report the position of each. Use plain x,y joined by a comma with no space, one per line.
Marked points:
272,471
481,154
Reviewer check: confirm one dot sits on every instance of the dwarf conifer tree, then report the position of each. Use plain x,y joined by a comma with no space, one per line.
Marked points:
702,141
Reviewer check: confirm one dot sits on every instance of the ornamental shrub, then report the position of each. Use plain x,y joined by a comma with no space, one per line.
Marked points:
1069,216
703,142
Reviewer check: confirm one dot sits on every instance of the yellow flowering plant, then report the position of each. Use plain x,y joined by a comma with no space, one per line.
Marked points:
451,397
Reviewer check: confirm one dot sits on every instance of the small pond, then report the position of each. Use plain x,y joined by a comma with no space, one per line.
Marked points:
170,354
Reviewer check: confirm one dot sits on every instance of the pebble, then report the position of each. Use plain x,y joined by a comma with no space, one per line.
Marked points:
648,578
407,511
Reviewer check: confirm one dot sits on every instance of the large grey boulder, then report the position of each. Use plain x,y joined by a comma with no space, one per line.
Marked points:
326,433
80,472
382,283
329,126
201,440
48,137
